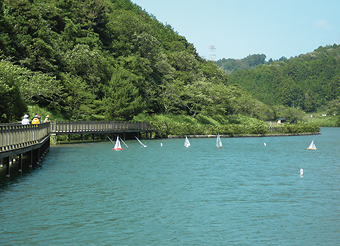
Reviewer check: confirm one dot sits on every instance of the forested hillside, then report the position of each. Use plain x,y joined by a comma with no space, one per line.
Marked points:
106,60
310,81
233,65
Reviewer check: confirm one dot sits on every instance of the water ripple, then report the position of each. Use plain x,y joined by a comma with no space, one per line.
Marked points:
243,194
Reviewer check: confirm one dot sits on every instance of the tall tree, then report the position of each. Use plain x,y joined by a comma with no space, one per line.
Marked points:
122,99
12,105
78,101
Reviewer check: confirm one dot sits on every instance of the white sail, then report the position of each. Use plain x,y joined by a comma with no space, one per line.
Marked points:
301,172
312,145
218,141
117,145
186,142
141,142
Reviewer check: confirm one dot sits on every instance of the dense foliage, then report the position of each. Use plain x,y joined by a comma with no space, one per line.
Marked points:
259,128
308,81
106,60
232,125
233,65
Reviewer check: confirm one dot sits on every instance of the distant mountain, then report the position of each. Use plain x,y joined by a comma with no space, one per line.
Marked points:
309,81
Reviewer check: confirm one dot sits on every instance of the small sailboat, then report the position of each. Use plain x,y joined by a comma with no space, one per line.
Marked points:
301,172
312,146
117,145
186,142
218,141
141,142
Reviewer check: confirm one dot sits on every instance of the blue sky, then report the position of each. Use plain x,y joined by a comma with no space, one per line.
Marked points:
238,28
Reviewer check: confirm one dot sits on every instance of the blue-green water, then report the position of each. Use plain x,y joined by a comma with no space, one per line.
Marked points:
243,194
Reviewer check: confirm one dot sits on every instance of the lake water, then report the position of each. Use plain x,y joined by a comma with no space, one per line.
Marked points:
244,194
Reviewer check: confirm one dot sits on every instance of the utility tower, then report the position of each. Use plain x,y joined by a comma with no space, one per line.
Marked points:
212,52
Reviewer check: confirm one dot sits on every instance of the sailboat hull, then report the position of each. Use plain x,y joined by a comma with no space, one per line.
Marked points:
312,146
117,145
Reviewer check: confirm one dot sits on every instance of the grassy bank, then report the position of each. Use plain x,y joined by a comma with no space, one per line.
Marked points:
322,119
229,125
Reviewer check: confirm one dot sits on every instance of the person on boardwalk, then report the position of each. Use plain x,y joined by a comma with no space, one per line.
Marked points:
25,120
36,119
47,119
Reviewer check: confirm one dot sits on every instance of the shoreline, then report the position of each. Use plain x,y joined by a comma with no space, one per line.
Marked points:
197,136
246,135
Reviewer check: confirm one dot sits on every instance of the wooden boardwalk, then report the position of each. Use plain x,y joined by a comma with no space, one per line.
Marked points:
90,127
17,138
18,142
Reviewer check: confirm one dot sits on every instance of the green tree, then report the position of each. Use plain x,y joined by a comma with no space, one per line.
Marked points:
309,104
122,100
171,97
12,106
78,101
88,64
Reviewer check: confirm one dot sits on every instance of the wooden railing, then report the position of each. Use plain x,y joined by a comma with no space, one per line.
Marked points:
87,127
15,136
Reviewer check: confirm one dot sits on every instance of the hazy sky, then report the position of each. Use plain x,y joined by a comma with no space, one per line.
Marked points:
238,28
